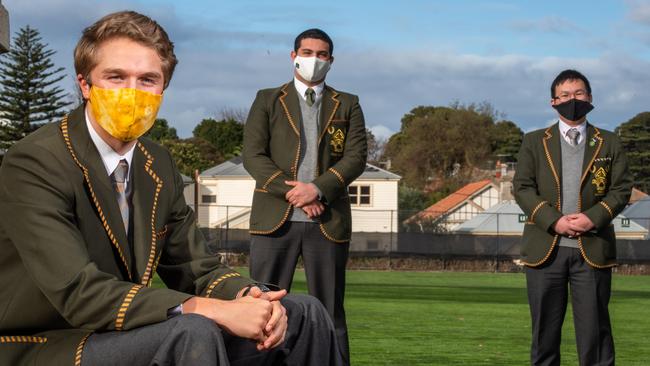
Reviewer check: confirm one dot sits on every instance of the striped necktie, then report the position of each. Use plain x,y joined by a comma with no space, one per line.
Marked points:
573,135
118,178
310,96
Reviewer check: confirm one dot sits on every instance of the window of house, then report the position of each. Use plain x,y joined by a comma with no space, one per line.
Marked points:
209,198
359,195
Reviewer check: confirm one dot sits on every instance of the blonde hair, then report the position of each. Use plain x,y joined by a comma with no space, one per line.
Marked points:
124,24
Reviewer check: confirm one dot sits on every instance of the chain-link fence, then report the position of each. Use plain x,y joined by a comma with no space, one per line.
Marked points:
389,238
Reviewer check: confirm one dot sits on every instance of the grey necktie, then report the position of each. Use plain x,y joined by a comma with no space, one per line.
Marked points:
573,134
310,96
118,178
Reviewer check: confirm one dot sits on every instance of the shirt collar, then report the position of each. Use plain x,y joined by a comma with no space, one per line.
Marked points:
301,88
564,128
110,157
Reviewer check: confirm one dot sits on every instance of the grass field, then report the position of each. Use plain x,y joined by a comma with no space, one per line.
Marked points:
452,318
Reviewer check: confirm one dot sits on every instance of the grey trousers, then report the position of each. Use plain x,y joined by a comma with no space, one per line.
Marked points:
188,340
548,296
273,260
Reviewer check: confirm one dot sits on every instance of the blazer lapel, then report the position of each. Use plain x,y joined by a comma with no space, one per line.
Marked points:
330,104
146,189
592,147
85,154
551,142
291,106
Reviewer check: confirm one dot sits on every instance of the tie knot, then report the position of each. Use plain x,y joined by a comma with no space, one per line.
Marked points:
119,174
310,96
573,135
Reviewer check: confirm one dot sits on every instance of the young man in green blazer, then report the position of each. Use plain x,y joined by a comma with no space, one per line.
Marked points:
304,143
90,210
571,181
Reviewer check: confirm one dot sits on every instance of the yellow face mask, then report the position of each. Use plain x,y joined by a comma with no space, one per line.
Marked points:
124,113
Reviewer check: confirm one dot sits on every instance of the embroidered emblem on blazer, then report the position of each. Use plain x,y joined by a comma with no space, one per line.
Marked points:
600,181
337,141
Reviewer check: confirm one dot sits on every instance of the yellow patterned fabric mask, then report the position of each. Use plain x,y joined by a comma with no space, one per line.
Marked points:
124,113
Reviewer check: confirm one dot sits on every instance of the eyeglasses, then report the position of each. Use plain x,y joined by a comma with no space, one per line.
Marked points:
578,94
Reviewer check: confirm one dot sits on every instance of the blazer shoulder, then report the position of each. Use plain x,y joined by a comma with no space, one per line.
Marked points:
344,95
539,133
272,93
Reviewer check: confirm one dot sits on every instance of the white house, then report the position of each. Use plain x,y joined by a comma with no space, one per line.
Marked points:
458,207
226,194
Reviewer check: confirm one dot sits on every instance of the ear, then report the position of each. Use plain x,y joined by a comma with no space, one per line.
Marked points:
293,55
84,86
331,59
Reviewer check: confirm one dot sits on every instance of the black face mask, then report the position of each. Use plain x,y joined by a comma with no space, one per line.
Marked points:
574,109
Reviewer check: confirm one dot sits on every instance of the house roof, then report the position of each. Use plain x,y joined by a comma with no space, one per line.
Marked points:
509,223
639,210
235,168
637,195
186,179
453,200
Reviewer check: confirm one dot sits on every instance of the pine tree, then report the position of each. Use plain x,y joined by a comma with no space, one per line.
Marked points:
635,138
29,96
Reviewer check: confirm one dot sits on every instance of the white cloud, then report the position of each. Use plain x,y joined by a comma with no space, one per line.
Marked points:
381,132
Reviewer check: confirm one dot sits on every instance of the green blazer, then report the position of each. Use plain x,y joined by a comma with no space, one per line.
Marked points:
606,185
66,268
271,154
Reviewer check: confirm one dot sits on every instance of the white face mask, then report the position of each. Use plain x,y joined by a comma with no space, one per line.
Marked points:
311,69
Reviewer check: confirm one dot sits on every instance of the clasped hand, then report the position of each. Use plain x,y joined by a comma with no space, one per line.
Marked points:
305,196
573,225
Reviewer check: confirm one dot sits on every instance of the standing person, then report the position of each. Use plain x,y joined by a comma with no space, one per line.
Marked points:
304,143
572,179
90,210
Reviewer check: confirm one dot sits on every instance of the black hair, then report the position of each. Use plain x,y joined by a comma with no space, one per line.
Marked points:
569,75
316,34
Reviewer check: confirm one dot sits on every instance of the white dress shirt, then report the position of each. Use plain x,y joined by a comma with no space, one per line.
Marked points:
302,89
564,128
110,157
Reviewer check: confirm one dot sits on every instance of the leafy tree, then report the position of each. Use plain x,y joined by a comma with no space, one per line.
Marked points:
226,135
433,141
635,138
506,139
375,148
161,131
29,95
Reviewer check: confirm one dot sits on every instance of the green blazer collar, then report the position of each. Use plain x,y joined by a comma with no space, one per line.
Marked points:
84,153
291,105
147,186
553,150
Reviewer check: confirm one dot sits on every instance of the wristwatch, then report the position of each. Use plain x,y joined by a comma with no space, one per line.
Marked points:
261,286
175,311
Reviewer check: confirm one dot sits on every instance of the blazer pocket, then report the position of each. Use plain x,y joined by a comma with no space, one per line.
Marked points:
339,120
162,234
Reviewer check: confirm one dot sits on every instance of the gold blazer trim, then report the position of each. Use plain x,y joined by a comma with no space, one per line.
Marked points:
550,163
121,314
286,109
80,349
548,254
219,280
338,175
159,184
100,211
266,232
271,178
335,94
611,213
22,339
331,238
539,205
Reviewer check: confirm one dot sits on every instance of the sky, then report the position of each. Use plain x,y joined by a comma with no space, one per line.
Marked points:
395,55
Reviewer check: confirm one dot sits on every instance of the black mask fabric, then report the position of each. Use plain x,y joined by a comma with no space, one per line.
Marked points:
574,109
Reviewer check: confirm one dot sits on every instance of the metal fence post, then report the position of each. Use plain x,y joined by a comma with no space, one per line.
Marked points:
496,268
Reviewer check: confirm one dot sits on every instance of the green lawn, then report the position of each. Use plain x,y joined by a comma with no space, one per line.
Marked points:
451,318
